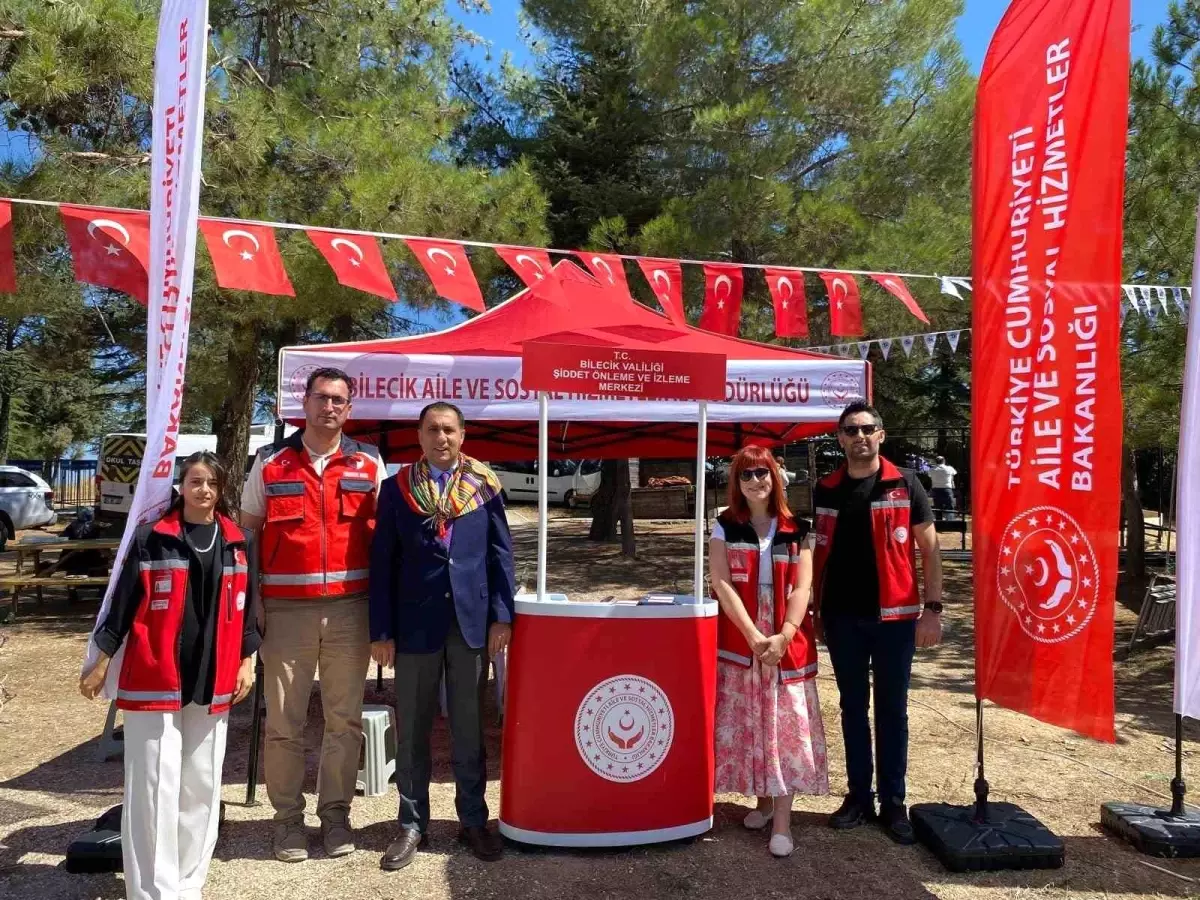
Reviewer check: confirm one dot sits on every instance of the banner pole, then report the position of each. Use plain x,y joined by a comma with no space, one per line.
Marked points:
543,474
981,785
701,513
1178,786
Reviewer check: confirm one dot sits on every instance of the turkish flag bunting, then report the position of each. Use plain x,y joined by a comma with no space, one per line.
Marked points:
787,294
8,267
1046,416
666,280
446,264
899,290
845,308
534,268
607,268
246,257
722,299
355,260
109,248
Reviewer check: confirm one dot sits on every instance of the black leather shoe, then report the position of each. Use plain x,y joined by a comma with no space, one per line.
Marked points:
401,851
485,844
894,819
852,813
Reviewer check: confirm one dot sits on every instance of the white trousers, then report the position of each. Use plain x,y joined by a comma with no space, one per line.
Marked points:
172,801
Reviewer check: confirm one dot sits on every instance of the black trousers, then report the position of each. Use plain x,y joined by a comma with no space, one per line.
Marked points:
859,648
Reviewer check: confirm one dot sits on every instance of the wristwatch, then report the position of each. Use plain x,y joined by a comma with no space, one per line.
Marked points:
934,607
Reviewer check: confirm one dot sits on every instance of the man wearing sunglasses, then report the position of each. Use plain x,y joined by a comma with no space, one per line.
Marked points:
871,517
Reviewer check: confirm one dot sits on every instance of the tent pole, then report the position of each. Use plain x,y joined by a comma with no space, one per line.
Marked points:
701,515
543,476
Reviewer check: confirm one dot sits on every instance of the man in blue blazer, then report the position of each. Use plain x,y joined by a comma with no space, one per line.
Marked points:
442,588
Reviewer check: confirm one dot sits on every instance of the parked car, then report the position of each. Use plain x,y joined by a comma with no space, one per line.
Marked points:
26,501
570,482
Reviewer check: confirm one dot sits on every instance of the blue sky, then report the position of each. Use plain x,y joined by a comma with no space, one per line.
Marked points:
975,27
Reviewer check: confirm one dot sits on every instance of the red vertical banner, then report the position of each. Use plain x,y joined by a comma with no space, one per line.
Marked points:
8,266
1050,125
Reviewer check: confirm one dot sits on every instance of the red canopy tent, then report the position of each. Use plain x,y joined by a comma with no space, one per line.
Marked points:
774,395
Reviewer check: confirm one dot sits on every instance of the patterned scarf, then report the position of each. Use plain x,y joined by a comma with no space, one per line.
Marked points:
471,485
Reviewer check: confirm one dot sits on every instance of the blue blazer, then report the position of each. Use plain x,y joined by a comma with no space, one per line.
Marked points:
418,588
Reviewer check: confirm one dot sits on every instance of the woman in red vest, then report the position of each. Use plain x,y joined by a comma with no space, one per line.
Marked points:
770,742
183,612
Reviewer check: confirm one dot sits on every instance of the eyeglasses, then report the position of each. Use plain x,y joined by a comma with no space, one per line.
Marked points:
334,401
852,430
760,474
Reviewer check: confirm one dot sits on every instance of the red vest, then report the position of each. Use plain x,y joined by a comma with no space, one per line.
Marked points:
150,680
316,540
799,661
892,540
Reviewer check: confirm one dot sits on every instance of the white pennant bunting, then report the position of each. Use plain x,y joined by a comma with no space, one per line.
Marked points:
1177,296
885,344
952,339
907,343
1131,296
843,349
1147,301
949,287
930,342
1162,299
864,347
1152,311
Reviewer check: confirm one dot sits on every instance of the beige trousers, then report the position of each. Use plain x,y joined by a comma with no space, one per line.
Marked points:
301,637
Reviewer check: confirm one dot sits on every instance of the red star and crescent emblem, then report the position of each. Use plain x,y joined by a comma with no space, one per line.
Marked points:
1047,574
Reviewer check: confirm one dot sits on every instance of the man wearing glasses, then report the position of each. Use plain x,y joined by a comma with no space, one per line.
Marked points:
312,500
870,519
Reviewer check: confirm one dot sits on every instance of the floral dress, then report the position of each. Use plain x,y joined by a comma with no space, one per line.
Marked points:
770,741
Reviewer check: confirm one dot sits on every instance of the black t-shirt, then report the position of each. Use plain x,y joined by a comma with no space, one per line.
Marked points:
851,578
198,636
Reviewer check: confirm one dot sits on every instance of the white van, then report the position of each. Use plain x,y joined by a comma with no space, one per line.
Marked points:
570,482
120,463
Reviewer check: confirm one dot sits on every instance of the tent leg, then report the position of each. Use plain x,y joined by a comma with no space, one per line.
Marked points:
543,481
701,516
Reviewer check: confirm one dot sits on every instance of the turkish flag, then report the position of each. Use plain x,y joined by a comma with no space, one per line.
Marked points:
722,299
533,267
355,260
109,248
8,266
246,257
1046,378
608,269
446,264
899,290
666,280
787,294
845,307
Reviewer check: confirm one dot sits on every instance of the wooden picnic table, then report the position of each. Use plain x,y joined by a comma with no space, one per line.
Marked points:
48,575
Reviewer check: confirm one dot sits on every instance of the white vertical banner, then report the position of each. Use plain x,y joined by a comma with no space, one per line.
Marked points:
180,68
1187,613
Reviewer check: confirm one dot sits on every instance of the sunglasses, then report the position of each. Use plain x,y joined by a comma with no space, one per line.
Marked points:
760,474
866,430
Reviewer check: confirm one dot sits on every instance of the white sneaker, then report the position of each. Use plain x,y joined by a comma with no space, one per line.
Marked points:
781,845
756,819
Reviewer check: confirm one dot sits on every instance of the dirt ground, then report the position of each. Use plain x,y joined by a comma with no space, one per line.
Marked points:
52,787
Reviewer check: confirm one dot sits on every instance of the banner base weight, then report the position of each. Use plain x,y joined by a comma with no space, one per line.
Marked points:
1153,830
1009,838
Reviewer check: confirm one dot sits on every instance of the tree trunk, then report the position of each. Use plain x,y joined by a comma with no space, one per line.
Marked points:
232,422
611,506
5,425
1135,520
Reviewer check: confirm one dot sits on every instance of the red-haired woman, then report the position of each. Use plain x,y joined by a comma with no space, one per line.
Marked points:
770,742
